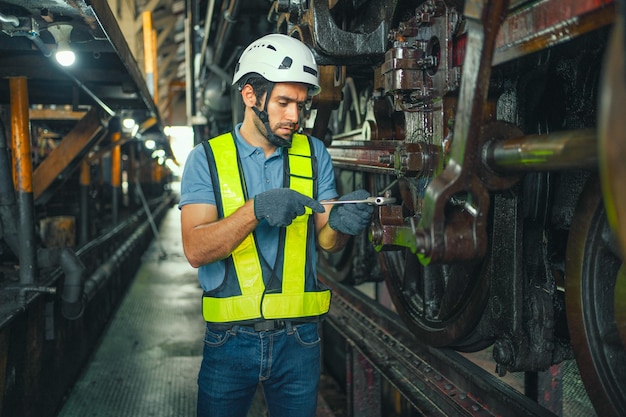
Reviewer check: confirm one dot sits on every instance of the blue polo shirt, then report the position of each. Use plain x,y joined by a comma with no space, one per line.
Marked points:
260,175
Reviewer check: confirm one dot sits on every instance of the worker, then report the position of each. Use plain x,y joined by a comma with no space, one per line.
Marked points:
251,218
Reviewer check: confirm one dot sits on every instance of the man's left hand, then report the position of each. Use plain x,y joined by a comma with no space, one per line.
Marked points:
351,219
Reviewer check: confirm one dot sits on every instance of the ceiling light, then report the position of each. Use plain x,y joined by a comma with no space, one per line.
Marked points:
128,123
64,54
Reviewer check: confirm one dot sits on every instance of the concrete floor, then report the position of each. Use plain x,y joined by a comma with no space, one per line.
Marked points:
147,361
149,356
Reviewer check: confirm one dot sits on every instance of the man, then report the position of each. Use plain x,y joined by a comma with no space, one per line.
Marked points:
251,219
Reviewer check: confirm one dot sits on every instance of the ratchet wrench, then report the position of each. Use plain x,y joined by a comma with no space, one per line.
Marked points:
377,201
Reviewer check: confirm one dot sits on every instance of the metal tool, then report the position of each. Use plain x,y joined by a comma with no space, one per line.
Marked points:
377,201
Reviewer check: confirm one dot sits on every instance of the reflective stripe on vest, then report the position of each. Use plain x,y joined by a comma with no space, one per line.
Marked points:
293,301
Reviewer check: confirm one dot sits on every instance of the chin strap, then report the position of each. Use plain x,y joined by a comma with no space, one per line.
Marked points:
262,115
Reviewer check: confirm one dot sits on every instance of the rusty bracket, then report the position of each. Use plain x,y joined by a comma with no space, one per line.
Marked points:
335,46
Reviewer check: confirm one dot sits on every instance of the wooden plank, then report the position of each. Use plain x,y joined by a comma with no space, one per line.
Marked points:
73,147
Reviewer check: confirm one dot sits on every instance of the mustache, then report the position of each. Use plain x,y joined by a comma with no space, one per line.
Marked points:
289,125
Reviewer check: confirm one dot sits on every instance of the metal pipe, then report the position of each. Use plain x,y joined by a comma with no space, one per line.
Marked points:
149,54
43,48
112,265
10,19
90,93
8,205
207,31
74,283
155,230
23,167
85,180
230,15
116,172
190,80
556,151
128,250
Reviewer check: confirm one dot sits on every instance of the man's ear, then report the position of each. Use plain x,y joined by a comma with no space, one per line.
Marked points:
248,96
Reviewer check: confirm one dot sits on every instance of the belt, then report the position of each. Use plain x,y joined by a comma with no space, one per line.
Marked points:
267,325
260,326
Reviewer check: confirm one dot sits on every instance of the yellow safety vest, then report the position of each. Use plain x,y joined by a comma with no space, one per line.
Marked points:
247,299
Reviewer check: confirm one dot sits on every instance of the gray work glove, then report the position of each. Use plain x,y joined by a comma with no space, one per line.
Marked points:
281,205
351,219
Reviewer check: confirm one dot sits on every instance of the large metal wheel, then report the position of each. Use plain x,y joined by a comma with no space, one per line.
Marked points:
594,282
612,132
441,304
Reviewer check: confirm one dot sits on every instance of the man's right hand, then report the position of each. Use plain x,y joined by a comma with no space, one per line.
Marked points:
281,205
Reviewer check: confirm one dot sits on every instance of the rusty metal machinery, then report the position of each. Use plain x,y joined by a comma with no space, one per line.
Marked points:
482,119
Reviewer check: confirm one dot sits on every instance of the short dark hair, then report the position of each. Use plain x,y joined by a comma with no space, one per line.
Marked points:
259,86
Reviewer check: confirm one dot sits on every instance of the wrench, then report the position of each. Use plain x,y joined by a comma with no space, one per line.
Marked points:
377,201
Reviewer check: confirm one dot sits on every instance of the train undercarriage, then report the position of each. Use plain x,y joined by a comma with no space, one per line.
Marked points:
496,128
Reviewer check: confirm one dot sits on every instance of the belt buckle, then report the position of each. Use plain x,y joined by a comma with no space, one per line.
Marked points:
269,325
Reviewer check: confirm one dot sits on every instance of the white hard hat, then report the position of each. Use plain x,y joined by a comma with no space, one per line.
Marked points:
279,58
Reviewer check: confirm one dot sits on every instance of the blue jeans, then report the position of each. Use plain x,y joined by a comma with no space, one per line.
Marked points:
286,362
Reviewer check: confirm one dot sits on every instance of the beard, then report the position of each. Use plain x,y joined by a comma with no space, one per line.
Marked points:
281,139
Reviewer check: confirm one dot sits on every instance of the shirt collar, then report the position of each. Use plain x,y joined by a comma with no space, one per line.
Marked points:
247,150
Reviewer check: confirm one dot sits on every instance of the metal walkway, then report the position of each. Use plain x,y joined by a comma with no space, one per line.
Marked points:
148,359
